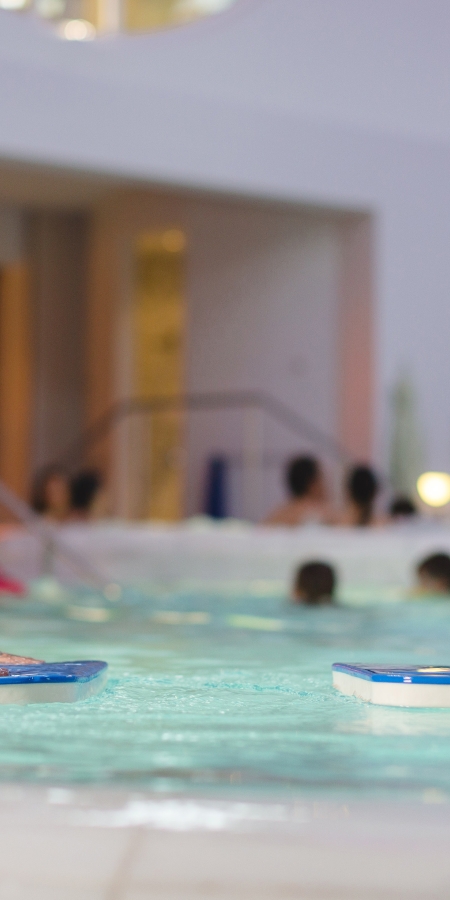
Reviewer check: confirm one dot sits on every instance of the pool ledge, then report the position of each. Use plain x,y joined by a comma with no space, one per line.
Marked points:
91,844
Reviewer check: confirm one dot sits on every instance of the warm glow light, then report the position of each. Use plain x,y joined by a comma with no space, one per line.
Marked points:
434,488
13,4
83,20
434,669
201,7
173,241
77,30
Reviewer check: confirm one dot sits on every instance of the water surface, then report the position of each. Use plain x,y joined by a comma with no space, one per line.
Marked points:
229,695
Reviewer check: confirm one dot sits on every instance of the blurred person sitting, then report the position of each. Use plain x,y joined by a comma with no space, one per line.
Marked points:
308,503
362,487
50,496
401,509
84,489
314,584
433,574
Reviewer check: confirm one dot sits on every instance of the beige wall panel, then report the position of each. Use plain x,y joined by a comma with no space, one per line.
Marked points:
107,354
356,340
58,250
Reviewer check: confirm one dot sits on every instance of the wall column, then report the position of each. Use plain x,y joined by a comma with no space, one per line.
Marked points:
356,340
15,377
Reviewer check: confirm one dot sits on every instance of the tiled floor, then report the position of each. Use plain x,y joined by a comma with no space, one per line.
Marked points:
63,845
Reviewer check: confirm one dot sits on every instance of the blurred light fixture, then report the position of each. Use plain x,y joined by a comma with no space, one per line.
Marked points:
76,30
434,488
82,20
13,4
173,241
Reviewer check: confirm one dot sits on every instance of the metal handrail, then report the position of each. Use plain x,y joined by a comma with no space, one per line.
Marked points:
47,533
275,408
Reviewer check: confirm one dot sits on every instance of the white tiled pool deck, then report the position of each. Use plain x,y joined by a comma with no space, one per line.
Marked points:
99,845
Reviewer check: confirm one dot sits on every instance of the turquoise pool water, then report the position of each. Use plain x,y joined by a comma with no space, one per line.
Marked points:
230,695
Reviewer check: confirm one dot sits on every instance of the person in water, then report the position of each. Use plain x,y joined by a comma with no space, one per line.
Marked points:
10,659
433,574
314,584
362,487
84,489
402,509
50,495
308,495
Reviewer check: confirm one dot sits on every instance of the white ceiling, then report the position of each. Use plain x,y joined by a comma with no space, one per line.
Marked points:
376,64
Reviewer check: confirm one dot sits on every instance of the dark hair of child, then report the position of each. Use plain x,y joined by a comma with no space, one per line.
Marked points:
362,487
402,507
83,488
435,570
301,473
314,584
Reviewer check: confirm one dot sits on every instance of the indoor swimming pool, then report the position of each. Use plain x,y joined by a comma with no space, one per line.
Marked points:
228,695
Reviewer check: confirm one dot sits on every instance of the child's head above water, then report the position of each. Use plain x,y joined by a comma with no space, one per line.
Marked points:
433,574
314,584
402,507
304,478
362,488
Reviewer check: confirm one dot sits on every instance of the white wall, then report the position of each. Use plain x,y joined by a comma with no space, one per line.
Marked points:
341,103
264,301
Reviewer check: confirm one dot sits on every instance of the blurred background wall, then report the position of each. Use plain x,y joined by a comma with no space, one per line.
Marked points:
302,147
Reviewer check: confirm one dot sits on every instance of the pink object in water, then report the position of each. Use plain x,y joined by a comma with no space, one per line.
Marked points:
11,586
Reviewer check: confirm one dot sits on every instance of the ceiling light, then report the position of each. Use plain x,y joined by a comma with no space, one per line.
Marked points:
76,30
82,20
202,7
13,4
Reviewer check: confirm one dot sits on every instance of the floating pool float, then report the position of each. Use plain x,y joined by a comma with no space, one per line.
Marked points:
418,686
11,586
61,682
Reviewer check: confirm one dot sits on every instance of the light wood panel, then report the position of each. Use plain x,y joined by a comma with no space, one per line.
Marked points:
15,377
158,367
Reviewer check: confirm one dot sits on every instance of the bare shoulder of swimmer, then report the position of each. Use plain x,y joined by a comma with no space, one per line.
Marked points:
287,514
17,660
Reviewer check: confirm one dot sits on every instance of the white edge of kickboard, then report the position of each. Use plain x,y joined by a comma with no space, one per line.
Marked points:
384,693
56,692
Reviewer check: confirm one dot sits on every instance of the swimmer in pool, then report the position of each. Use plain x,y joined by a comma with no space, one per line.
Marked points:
85,489
433,575
308,495
362,488
314,584
50,494
10,659
402,509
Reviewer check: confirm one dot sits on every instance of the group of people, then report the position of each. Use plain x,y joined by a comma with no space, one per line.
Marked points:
309,501
61,498
315,582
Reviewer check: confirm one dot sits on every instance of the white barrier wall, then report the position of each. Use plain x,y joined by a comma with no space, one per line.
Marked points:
372,565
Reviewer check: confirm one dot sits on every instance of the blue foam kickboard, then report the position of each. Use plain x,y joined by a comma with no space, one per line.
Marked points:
60,682
397,675
419,686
